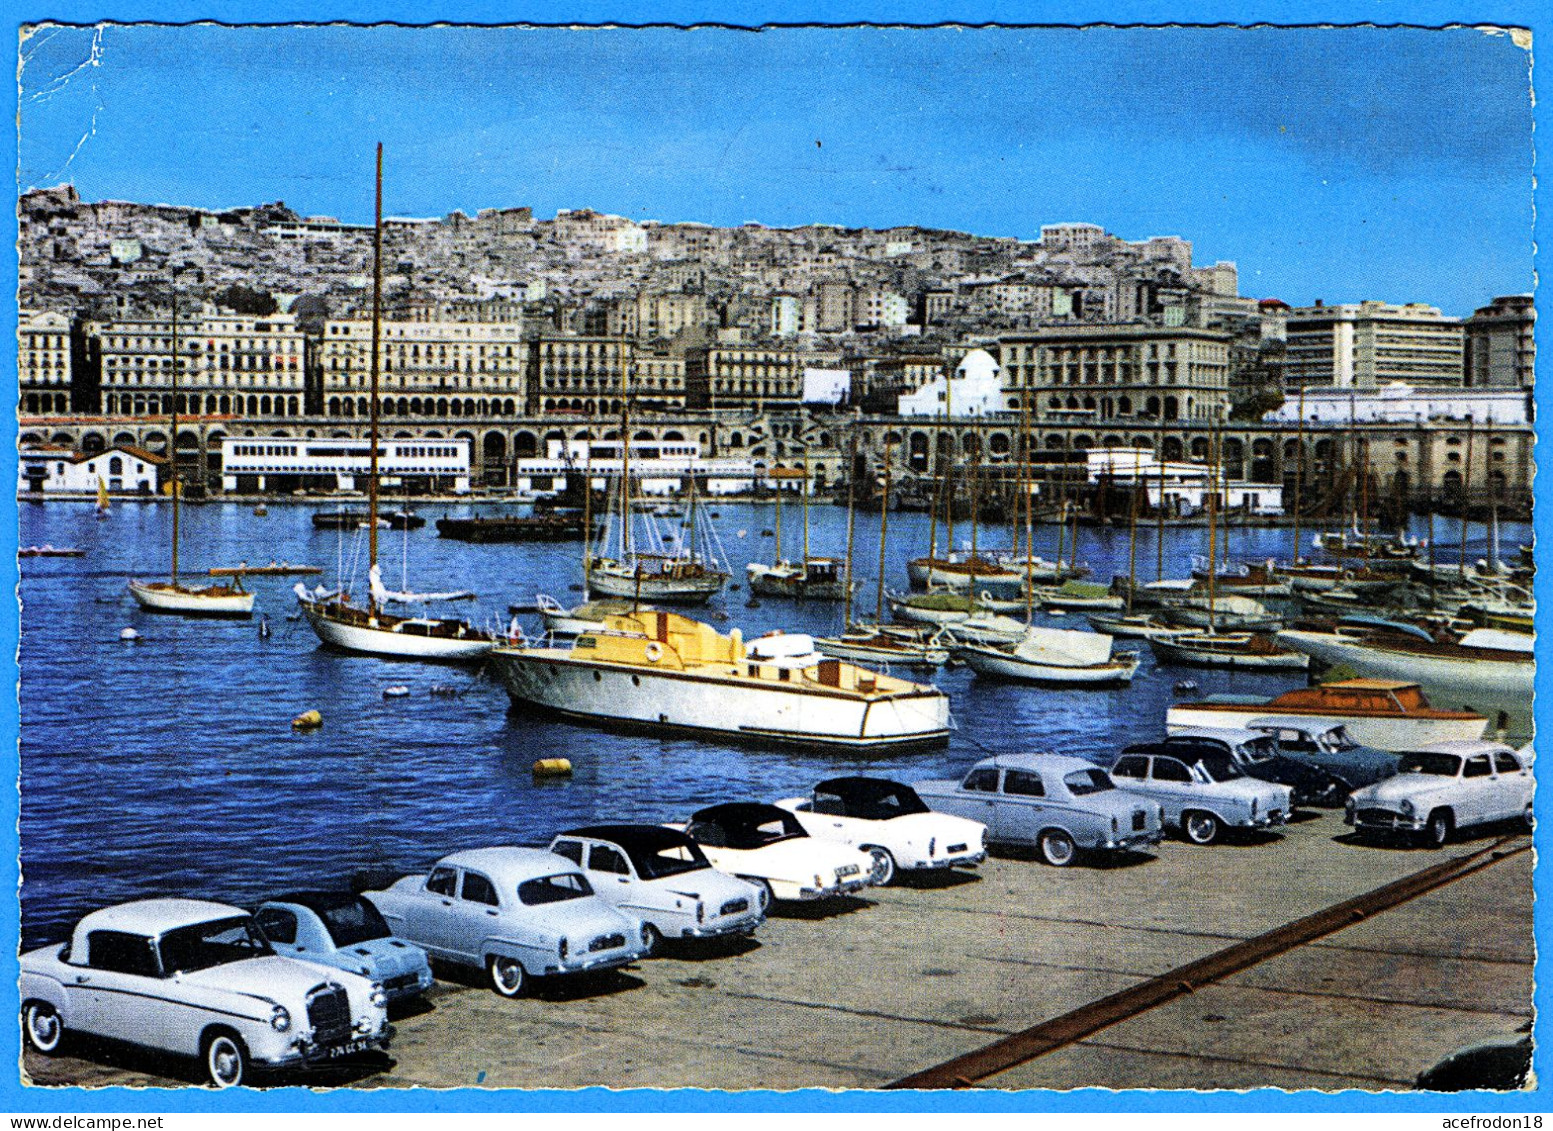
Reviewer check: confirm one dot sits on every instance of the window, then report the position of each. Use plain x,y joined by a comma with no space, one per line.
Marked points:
1168,769
478,889
605,859
1505,762
1477,767
122,953
1023,783
1131,766
569,849
982,781
554,889
278,925
442,881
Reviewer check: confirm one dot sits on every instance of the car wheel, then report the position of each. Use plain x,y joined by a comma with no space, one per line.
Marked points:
652,939
45,1031
882,868
508,977
226,1060
1335,794
1529,819
1438,830
767,896
1057,848
1200,828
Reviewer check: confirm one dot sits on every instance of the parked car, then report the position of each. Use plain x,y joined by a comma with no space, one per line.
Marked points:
341,929
1326,744
197,979
663,878
769,848
891,823
1445,787
518,913
1203,797
1058,804
1258,755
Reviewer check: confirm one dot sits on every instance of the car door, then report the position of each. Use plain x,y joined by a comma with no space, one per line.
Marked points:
428,913
610,874
121,991
1131,773
1513,785
1477,790
825,818
1171,784
977,799
474,917
1021,805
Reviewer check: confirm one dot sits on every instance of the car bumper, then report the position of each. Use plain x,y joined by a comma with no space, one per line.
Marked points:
309,1055
846,887
587,964
742,926
1133,842
1270,820
958,860
1384,821
408,985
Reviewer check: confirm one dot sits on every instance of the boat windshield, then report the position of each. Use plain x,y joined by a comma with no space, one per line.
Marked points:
204,945
1429,762
1082,782
1217,767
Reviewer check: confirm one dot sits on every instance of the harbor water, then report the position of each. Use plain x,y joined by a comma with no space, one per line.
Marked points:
168,765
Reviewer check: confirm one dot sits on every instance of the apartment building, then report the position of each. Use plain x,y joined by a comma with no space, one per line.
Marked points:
43,363
1501,345
426,368
1368,344
745,375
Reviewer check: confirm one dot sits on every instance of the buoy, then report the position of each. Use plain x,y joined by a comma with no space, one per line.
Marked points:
397,691
742,533
553,768
308,720
129,635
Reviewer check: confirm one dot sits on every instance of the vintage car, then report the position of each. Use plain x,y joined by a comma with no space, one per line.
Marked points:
197,979
1259,756
1203,797
769,848
1327,744
339,928
891,823
1057,803
1444,787
518,913
663,878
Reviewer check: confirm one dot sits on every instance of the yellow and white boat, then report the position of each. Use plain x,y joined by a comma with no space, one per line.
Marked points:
658,671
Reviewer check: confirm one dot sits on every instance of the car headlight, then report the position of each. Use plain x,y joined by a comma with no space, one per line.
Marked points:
379,996
561,950
1406,807
280,1019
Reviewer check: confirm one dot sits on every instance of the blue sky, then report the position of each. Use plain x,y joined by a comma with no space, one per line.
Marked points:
1339,164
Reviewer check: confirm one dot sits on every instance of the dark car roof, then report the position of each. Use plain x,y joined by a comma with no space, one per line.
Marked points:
740,812
317,900
857,784
634,838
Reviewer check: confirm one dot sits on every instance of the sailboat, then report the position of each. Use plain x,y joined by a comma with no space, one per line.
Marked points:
368,627
102,499
812,579
229,599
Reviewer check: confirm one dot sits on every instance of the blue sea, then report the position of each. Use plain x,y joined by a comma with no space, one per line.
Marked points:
169,766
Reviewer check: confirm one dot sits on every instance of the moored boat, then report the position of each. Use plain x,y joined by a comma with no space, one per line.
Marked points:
934,608
657,671
1079,596
586,617
871,644
230,600
552,526
1053,656
1385,713
1227,650
813,579
1139,626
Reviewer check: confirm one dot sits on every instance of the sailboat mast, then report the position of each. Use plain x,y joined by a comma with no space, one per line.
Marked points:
776,482
949,471
625,470
587,513
1062,504
1132,538
851,520
1159,566
1024,491
1213,524
172,444
1299,473
806,514
1466,504
884,525
1493,498
377,329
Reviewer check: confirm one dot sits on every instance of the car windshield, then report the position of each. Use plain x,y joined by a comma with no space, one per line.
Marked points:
870,800
1428,762
1338,738
204,945
1219,767
353,921
1260,749
1082,782
554,889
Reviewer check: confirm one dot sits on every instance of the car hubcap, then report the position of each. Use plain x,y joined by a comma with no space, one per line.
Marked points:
509,976
226,1065
44,1028
1059,850
1200,828
883,868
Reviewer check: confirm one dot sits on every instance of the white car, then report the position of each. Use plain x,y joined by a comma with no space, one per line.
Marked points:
769,848
197,979
1444,787
1204,796
891,823
663,878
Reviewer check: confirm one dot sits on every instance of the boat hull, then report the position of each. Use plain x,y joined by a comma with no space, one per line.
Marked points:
769,583
396,645
191,602
997,664
678,702
659,590
1174,650
1382,732
927,657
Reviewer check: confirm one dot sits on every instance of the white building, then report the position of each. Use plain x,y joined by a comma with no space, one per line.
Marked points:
63,473
975,389
786,316
1183,486
1401,403
43,362
411,466
657,468
1369,344
826,386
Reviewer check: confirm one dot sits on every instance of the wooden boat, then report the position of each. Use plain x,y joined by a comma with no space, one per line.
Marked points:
874,644
1227,650
985,627
1139,626
1053,656
813,579
934,608
1388,714
659,672
1079,596
554,526
274,569
355,520
50,551
369,627
1232,614
962,573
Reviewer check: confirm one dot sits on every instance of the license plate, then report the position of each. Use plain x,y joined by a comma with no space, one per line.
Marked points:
351,1048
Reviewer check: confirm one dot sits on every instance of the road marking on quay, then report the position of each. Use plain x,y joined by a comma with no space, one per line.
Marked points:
1072,1027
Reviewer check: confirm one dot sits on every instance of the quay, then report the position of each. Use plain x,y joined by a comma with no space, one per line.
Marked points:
864,992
